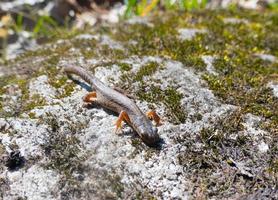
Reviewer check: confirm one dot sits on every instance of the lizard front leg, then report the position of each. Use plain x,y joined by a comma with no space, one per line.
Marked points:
152,115
122,117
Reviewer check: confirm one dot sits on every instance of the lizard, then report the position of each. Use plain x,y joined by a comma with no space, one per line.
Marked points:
119,103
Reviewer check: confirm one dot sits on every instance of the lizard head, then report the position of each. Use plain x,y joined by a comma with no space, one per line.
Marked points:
148,133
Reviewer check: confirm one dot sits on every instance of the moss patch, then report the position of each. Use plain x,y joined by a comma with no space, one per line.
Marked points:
161,40
25,102
124,66
221,160
146,70
169,97
64,152
242,80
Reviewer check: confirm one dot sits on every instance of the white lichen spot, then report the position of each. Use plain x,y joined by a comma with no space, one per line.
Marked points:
41,87
267,57
140,20
274,87
106,40
102,39
251,125
87,36
235,21
249,4
189,33
263,147
106,74
208,60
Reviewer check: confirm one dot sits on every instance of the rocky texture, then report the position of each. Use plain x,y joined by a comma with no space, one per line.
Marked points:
214,145
158,170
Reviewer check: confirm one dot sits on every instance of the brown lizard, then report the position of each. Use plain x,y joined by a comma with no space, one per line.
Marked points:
117,102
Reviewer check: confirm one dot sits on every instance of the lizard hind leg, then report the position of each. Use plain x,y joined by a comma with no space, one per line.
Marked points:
122,117
152,115
90,97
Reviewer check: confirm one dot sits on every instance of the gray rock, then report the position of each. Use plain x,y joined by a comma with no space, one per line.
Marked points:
35,183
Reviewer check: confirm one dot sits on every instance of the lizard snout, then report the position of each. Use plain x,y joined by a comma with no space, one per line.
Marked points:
150,136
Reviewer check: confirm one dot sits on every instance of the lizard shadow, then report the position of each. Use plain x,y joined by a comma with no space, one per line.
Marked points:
130,132
82,84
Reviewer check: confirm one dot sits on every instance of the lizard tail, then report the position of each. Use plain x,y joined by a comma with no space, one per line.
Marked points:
82,73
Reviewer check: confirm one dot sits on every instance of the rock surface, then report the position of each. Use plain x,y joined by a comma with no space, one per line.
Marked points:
72,152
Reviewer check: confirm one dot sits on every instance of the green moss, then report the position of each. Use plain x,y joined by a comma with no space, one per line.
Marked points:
162,40
114,54
68,89
2,149
136,142
207,155
195,62
22,101
242,78
219,135
90,48
58,82
5,81
86,47
169,97
64,33
243,81
270,43
144,195
63,150
45,53
34,102
32,115
196,117
124,66
146,70
116,185
63,87
273,168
